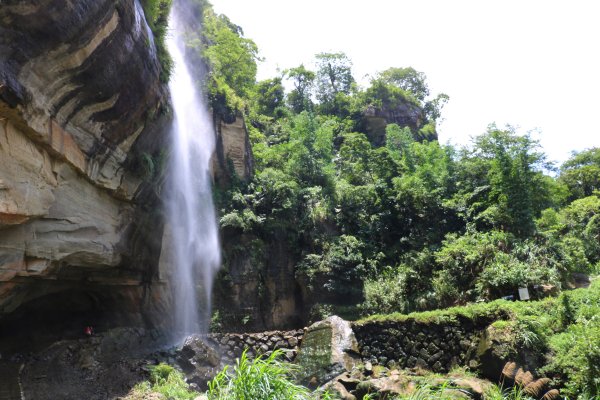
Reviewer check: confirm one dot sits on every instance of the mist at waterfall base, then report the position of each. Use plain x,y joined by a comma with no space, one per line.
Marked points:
191,211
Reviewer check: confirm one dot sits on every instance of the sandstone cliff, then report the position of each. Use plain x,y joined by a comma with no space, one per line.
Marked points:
233,155
79,86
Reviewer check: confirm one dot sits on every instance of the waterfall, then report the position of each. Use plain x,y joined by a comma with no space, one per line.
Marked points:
190,205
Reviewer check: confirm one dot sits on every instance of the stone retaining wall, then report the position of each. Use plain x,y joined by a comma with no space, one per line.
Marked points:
232,345
409,344
394,344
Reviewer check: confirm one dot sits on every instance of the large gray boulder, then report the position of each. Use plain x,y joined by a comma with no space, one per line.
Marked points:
199,359
328,349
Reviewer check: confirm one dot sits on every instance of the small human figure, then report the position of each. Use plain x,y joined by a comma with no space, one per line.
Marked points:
88,331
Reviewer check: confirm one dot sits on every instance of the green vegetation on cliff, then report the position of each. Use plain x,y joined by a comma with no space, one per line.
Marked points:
373,212
353,192
157,16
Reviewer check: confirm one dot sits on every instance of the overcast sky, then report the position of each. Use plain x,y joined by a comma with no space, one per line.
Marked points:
534,64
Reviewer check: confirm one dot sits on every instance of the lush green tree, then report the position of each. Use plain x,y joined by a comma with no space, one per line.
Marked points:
407,79
353,159
576,230
270,97
299,99
334,79
310,145
232,62
507,182
581,173
490,265
382,94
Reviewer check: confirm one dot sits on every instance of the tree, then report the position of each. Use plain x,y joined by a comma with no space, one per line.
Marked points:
581,173
407,79
514,188
334,77
270,96
433,108
299,99
232,61
399,141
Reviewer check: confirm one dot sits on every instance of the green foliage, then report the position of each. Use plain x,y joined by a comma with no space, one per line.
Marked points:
299,99
493,264
400,220
429,392
516,191
334,79
567,328
337,269
407,79
231,59
387,293
169,382
261,378
231,56
270,97
576,350
498,393
382,94
581,173
157,16
575,230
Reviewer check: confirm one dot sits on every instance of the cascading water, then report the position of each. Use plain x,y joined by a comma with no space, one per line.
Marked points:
191,210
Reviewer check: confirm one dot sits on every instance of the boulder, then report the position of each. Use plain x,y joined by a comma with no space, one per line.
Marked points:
196,351
328,348
199,360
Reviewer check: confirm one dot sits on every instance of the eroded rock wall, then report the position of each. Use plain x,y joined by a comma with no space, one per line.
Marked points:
80,97
233,151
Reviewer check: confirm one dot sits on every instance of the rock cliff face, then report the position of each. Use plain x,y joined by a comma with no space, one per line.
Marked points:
233,152
404,114
79,84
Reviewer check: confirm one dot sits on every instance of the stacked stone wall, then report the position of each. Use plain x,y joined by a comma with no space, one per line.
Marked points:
409,344
393,344
232,345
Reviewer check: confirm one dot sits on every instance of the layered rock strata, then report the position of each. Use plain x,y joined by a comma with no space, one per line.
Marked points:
79,84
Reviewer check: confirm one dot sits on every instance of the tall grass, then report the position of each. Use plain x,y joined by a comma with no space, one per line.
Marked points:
497,393
166,380
261,378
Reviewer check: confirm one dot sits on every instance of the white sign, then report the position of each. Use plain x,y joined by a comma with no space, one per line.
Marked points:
523,293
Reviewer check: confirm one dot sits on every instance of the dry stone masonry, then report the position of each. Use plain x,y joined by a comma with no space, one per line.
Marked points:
232,345
409,344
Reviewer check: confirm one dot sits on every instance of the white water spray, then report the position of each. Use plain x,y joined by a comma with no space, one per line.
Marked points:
191,210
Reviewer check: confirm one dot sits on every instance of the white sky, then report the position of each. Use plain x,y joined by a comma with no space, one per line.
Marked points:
534,64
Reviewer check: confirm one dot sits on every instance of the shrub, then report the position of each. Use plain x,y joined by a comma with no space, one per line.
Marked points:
167,381
261,378
576,350
507,273
387,292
